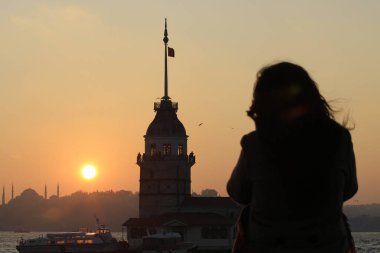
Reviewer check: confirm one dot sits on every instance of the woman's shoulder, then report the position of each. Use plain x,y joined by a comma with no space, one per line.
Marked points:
340,130
249,137
333,137
249,141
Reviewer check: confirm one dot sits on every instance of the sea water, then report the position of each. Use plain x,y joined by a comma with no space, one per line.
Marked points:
366,242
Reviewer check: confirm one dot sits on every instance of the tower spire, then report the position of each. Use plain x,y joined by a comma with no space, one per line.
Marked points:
13,192
166,40
45,195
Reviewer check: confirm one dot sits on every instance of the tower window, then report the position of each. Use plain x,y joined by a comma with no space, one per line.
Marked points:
152,149
167,149
180,149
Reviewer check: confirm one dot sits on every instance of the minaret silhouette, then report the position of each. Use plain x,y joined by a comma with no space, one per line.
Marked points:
57,190
45,195
13,192
165,176
3,197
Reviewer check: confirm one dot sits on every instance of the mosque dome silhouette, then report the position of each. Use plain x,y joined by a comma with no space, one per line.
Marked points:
30,194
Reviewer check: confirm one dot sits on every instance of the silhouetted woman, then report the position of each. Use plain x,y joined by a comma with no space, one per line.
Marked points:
295,171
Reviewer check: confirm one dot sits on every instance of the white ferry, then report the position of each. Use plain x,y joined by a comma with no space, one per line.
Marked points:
100,241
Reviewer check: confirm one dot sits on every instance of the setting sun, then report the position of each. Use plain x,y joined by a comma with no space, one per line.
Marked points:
89,172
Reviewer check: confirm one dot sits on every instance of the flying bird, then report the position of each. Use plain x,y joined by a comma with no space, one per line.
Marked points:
200,124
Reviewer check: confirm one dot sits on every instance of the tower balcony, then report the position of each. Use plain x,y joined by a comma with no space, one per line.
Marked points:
165,105
190,159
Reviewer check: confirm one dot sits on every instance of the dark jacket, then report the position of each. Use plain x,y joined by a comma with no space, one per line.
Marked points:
295,182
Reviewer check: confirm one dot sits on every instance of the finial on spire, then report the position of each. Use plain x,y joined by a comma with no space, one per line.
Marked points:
166,39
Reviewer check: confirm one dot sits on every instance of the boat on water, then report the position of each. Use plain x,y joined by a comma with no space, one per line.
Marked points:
166,242
100,241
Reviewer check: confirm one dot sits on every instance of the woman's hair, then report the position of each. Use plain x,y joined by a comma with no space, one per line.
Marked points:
298,134
286,89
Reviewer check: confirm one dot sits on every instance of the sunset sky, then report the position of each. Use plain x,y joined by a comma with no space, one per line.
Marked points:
78,80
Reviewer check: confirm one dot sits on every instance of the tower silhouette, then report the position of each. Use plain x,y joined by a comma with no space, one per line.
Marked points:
165,201
45,194
165,175
3,197
57,190
13,192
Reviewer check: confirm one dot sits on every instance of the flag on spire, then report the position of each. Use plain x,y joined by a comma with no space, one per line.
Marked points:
170,52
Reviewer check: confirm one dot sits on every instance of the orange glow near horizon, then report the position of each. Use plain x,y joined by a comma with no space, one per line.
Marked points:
78,80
